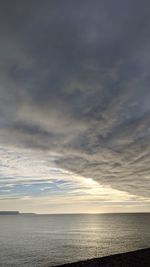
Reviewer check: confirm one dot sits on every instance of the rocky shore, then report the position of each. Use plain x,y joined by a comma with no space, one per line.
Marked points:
139,258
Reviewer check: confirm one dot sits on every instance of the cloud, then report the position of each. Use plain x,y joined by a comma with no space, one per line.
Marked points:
75,83
28,175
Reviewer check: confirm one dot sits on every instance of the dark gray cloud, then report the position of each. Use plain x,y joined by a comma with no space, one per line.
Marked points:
74,78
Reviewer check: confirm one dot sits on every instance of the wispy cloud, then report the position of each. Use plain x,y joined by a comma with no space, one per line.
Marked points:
27,175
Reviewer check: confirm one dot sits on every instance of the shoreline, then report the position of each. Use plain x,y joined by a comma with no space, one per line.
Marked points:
138,258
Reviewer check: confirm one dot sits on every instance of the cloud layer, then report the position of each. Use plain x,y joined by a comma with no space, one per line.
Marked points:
74,82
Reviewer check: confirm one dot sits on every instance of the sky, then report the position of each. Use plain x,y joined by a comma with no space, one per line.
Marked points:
75,106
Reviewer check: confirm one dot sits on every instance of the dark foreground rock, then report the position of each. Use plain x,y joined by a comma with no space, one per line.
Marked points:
139,258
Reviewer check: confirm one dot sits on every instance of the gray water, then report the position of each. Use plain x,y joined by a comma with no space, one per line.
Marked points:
47,240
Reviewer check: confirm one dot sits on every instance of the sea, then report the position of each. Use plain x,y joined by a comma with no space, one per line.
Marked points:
50,240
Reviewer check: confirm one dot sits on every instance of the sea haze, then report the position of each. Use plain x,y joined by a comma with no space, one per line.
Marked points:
47,240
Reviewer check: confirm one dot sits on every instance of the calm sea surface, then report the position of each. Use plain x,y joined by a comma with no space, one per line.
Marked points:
47,240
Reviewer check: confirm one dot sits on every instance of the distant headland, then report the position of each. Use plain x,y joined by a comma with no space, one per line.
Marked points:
15,213
9,213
